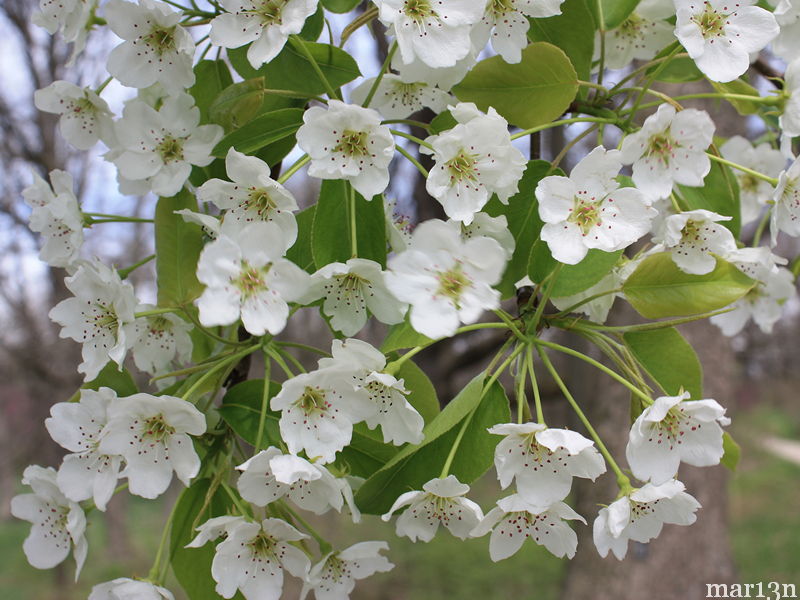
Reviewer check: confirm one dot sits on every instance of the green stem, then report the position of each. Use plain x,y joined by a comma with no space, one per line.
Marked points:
358,22
650,80
762,225
262,417
154,312
90,220
217,367
235,499
384,68
411,122
155,574
413,138
657,61
281,363
771,180
324,546
123,273
294,168
537,398
548,289
304,347
601,22
572,308
103,85
423,171
520,134
509,323
351,209
208,332
560,156
646,326
622,479
300,45
522,400
297,364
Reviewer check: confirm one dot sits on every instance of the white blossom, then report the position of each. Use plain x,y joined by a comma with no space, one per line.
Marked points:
720,35
789,120
668,149
445,279
265,23
474,160
639,37
334,577
398,99
152,434
753,192
100,316
318,411
505,23
787,44
693,237
251,196
588,209
155,47
77,426
433,31
441,501
671,431
56,215
495,228
786,209
349,290
640,514
348,142
159,340
160,146
85,116
69,16
543,460
514,520
58,524
129,589
442,77
248,277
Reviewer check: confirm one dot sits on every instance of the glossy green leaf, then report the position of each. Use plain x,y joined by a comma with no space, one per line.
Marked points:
413,466
669,359
401,336
573,31
237,104
719,193
616,11
532,92
732,452
262,131
178,246
739,87
300,253
313,26
679,70
442,122
571,279
657,288
211,77
330,234
423,394
111,376
340,6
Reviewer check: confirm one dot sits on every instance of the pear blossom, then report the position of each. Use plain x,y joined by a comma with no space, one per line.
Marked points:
444,78
85,116
671,431
364,365
214,528
474,160
155,47
395,98
247,276
78,427
265,23
160,146
159,340
764,302
693,236
639,37
543,460
58,524
441,501
253,557
668,149
100,316
129,589
514,520
252,195
588,209
495,228
349,290
210,225
152,434
753,193
506,23
433,31
348,142
56,215
786,210
271,475
640,514
787,44
720,35
72,17
318,411
789,120
445,279
334,577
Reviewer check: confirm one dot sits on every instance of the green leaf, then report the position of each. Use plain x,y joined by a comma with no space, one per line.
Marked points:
532,92
340,6
669,359
237,104
573,31
192,566
679,70
313,26
211,77
737,86
413,466
732,451
573,279
300,253
401,336
658,288
262,131
423,394
330,234
442,122
616,11
719,193
112,376
178,246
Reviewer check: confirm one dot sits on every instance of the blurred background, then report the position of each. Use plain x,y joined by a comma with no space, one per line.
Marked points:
748,530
